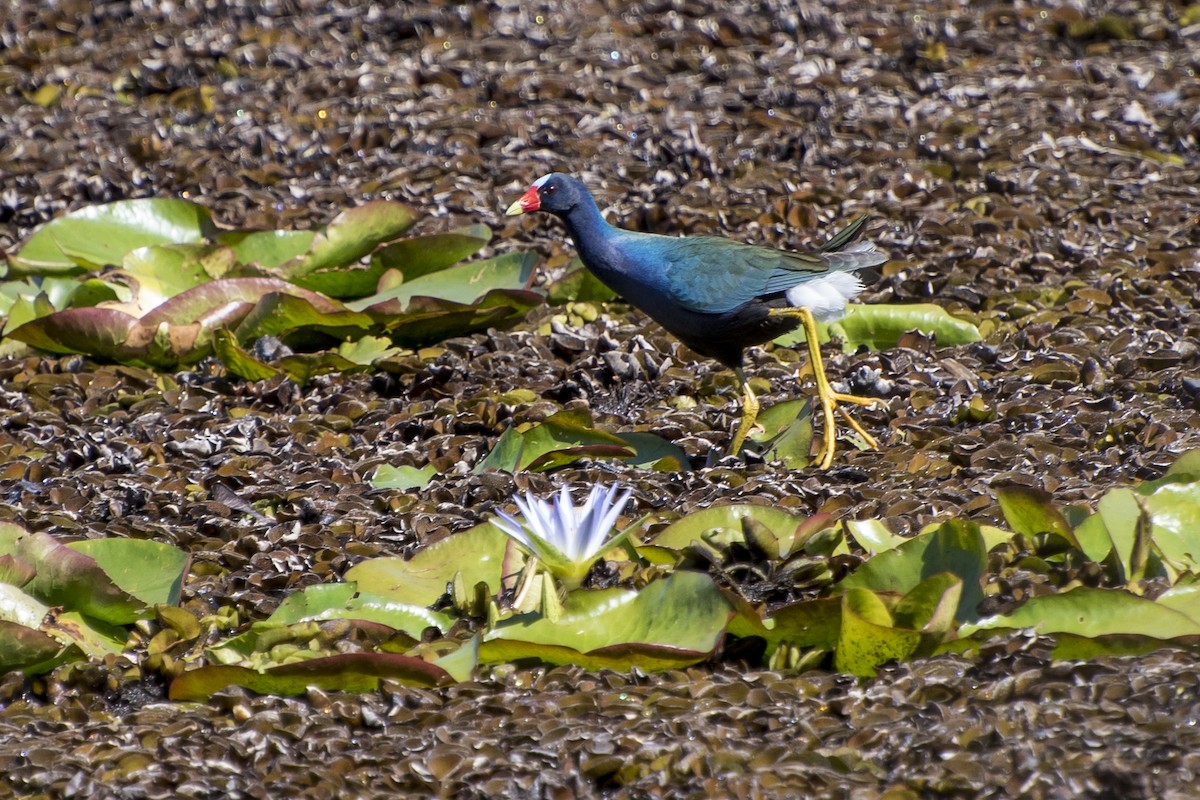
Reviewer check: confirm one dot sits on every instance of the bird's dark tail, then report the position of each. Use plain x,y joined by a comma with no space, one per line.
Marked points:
844,254
845,236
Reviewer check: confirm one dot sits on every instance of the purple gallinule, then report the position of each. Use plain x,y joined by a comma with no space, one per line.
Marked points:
716,295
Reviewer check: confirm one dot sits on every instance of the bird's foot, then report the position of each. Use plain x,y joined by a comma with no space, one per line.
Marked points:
829,400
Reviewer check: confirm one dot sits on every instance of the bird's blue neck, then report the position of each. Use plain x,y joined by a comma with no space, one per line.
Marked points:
588,228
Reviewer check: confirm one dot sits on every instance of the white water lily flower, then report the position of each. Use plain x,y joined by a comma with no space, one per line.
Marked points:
566,539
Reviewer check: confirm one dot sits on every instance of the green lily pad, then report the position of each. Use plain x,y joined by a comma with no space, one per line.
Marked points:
153,572
238,360
1084,611
268,249
477,555
281,313
403,477
879,326
421,255
96,236
579,285
956,547
1031,511
351,235
560,439
466,283
723,525
786,433
348,672
1174,510
426,320
159,272
66,577
672,622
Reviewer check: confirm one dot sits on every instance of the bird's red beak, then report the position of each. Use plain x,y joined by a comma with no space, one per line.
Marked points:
525,203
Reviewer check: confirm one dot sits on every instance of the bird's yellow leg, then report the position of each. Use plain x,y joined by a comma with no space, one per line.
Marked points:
825,393
749,413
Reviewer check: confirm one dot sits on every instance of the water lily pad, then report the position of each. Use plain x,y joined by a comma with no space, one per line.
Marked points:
95,236
474,556
560,439
579,285
153,572
281,313
402,477
1031,511
159,272
333,601
66,577
786,433
349,672
956,547
421,255
238,361
1174,510
724,525
100,332
22,646
868,637
465,283
670,623
267,249
1084,611
879,326
351,235
426,320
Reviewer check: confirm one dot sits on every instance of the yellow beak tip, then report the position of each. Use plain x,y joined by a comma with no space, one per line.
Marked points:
514,210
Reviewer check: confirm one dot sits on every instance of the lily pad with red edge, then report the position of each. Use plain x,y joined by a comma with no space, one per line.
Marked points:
349,672
22,646
427,320
670,623
100,332
281,313
68,578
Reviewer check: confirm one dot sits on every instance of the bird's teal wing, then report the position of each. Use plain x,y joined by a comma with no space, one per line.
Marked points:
715,275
